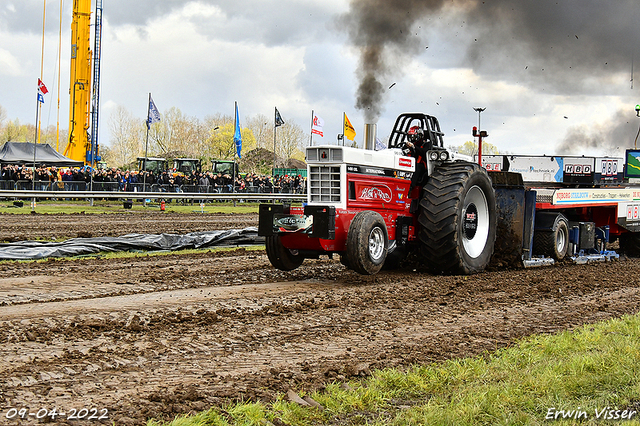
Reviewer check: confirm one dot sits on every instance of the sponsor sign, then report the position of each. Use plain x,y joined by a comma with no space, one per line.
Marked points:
381,193
405,162
291,222
491,166
376,171
593,196
633,212
578,169
629,216
632,167
609,170
532,168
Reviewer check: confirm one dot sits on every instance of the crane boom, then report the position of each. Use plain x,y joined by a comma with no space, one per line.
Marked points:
79,144
97,49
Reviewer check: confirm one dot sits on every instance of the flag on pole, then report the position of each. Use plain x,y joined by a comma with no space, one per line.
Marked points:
379,145
42,90
153,115
349,131
237,137
316,126
278,120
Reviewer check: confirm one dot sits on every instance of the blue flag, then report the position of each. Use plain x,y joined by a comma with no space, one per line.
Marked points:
153,115
237,137
278,120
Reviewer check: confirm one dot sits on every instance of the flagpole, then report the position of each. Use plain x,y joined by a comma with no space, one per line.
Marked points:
44,15
146,152
59,63
311,135
33,183
235,149
344,126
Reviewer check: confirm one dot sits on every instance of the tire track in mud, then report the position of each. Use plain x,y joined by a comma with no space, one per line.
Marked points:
194,330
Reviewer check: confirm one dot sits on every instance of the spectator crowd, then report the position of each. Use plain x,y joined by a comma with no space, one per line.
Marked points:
20,177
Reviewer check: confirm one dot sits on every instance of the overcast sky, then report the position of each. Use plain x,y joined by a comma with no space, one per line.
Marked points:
555,76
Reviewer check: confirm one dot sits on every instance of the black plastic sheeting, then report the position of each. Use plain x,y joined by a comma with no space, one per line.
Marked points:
28,250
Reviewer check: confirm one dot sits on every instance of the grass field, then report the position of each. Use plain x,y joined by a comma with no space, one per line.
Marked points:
112,206
590,376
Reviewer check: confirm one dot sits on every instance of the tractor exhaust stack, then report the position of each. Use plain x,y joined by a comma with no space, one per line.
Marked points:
370,133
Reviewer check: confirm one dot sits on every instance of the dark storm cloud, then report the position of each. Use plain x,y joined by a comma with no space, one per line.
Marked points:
25,16
287,22
558,46
555,44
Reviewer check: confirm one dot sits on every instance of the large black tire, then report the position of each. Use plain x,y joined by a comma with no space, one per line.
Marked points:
457,219
280,257
630,244
367,243
554,243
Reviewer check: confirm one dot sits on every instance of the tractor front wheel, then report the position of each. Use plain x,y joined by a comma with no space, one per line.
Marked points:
367,243
457,219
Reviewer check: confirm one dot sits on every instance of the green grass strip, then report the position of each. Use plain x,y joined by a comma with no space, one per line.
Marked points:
114,206
587,377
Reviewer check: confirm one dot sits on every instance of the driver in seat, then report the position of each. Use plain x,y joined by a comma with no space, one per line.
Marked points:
417,147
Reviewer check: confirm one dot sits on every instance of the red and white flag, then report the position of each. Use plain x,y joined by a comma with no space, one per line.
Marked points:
42,88
316,126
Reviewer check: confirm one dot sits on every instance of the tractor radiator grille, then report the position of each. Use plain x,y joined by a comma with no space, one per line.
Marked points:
324,184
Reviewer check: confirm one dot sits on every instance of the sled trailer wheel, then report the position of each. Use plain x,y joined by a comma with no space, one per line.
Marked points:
630,244
554,242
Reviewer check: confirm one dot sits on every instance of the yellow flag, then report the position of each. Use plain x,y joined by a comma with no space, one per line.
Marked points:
349,131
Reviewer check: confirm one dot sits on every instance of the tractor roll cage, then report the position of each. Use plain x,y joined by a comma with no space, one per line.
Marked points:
427,123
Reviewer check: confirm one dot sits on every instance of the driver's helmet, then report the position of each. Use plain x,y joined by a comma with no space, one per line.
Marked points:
415,135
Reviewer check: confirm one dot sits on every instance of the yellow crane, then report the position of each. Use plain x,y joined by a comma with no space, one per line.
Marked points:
82,146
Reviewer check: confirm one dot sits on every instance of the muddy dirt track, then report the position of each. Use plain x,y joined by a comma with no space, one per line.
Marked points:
156,336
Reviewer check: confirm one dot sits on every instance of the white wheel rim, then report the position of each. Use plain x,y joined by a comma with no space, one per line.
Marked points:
376,244
475,240
561,242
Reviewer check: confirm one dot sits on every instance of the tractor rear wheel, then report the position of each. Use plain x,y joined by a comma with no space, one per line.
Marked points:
281,257
367,243
457,219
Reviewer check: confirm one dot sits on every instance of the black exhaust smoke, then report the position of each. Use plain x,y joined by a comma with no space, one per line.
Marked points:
381,30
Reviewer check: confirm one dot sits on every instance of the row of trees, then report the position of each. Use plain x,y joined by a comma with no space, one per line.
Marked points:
14,131
179,135
212,138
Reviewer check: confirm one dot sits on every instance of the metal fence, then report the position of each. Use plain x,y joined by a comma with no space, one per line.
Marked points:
46,186
72,190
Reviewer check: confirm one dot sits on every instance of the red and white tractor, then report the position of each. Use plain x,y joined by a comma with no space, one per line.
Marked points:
369,208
